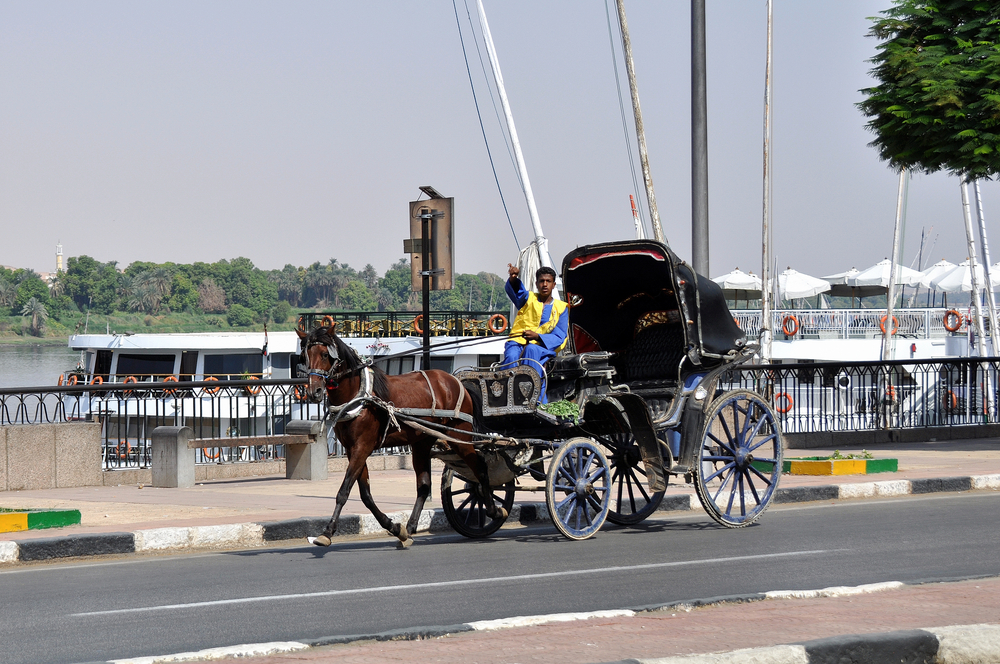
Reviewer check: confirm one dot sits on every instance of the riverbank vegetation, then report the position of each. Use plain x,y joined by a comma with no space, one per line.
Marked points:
205,297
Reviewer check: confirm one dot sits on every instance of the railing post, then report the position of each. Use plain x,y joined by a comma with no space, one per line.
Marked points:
173,462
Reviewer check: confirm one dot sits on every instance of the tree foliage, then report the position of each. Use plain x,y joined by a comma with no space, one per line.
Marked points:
937,103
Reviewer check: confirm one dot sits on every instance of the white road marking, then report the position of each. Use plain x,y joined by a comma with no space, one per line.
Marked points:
446,584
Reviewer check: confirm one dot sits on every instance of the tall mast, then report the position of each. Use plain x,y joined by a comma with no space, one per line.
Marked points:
540,240
888,340
647,177
976,299
765,317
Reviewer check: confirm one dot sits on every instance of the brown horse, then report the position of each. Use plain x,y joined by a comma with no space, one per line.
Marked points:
338,374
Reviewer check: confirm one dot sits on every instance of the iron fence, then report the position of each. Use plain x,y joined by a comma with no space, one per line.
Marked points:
851,323
226,410
857,396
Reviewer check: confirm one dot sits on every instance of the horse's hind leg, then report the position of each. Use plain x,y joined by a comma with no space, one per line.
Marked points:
397,530
422,469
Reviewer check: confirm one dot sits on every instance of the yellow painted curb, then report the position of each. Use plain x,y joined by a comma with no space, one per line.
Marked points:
849,466
13,522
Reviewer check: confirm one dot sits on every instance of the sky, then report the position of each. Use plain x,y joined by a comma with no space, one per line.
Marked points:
298,132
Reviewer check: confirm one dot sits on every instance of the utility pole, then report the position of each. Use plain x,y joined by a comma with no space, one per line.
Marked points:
699,140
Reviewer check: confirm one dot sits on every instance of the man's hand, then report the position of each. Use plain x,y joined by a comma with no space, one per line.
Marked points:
513,271
531,335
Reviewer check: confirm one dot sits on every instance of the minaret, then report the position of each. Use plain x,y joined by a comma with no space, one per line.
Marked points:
59,262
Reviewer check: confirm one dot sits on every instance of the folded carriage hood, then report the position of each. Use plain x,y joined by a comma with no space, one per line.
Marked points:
618,289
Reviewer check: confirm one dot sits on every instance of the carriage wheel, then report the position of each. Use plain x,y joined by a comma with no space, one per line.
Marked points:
739,463
465,508
577,490
632,501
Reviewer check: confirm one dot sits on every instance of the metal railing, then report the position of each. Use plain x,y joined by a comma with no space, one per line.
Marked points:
848,323
857,396
409,323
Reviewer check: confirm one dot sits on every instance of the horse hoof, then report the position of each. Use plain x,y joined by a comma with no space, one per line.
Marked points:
322,540
404,544
403,534
502,513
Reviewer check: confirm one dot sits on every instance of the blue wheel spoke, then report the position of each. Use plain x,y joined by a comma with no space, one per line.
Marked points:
753,489
759,474
764,440
722,485
724,445
718,472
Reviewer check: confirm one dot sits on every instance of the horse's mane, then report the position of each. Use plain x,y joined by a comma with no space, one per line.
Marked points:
350,358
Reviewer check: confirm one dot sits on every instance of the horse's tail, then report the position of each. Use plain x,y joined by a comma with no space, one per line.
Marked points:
476,397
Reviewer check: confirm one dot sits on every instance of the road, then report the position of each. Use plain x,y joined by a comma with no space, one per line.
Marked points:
129,607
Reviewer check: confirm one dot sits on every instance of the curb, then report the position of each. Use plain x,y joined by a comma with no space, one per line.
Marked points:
249,535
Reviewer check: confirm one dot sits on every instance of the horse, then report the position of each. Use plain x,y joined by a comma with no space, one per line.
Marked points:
362,398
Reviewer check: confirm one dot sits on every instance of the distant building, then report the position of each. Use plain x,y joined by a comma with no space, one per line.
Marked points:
59,260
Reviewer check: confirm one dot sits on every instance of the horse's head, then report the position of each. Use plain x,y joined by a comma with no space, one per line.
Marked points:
323,360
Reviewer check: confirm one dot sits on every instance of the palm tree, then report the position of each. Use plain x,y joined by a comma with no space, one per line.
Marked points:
38,314
161,280
8,293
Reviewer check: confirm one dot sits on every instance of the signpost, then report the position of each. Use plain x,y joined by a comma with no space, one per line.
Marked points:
432,262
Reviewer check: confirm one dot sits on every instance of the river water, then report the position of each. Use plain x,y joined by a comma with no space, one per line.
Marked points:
33,366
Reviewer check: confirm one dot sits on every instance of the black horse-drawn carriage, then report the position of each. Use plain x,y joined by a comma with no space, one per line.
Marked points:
649,339
649,342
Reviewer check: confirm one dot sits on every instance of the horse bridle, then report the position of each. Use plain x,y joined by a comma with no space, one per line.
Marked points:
331,375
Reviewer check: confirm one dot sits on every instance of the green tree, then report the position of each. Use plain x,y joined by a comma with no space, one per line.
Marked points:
183,293
31,287
396,282
355,296
239,316
91,284
246,285
937,103
34,308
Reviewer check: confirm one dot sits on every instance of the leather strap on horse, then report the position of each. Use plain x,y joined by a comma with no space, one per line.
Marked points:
456,414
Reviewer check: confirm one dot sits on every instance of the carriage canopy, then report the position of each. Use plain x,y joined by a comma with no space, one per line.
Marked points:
637,297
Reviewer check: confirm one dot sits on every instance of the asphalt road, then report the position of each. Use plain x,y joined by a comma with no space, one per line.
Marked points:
96,611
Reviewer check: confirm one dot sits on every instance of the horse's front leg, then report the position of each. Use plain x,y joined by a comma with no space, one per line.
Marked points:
356,466
397,530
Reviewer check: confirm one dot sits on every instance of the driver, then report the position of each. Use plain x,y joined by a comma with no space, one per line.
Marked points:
539,330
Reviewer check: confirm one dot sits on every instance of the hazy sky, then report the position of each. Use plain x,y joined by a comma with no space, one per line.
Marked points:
298,131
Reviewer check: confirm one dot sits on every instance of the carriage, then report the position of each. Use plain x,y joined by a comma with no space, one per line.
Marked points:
649,344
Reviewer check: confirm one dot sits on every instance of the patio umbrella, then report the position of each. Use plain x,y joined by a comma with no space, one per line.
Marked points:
878,275
959,278
738,284
794,285
933,272
840,286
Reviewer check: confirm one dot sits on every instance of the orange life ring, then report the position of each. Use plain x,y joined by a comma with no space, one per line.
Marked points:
97,381
300,392
302,324
416,324
72,380
211,390
60,381
253,389
170,379
895,324
329,322
788,402
213,457
130,379
124,449
790,330
492,323
950,401
890,393
952,315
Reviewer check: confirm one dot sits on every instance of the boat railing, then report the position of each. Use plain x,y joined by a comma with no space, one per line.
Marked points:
226,410
857,396
408,323
851,323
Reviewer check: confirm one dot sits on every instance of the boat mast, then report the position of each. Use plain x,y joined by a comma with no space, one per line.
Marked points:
765,314
991,302
888,345
980,341
540,240
647,177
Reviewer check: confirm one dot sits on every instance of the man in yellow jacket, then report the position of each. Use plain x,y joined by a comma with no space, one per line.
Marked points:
540,328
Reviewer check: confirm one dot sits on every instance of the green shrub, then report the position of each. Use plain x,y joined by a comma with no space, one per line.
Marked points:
240,316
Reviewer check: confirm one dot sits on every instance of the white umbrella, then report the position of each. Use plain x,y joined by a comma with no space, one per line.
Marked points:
841,277
739,280
959,279
793,285
878,275
840,285
934,271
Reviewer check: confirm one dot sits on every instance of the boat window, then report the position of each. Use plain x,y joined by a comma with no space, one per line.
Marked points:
102,366
442,363
235,366
145,367
189,364
488,360
280,365
396,366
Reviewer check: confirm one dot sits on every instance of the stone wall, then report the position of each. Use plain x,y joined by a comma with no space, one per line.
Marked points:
49,456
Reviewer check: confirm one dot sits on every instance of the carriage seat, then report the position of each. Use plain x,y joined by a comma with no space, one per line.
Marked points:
654,354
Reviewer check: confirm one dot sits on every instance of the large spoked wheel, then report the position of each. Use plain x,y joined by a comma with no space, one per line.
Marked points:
577,488
631,499
466,509
739,463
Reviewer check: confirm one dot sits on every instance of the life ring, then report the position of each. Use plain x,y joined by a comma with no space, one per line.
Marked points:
329,322
493,323
97,381
170,379
208,454
211,390
737,321
302,324
895,324
416,324
130,379
253,389
890,393
60,381
788,402
300,392
124,449
790,330
72,380
952,315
